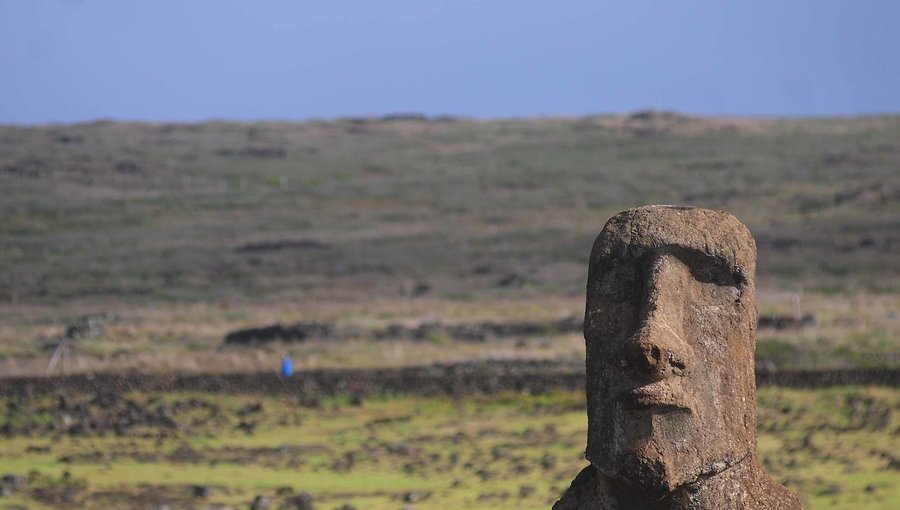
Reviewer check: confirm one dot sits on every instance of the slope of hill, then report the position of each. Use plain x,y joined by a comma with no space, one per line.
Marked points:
179,233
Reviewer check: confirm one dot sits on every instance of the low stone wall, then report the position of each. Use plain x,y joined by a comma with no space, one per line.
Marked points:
457,379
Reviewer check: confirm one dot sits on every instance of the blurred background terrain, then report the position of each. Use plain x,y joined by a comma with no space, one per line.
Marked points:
380,240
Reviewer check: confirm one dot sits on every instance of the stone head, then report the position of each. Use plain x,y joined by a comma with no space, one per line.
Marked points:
670,332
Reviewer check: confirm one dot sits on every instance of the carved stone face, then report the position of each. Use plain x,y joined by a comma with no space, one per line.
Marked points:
669,329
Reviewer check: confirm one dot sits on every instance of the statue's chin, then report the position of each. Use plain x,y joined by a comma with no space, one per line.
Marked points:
650,450
660,474
650,474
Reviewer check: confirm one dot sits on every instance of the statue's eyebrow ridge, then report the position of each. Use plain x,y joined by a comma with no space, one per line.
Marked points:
723,262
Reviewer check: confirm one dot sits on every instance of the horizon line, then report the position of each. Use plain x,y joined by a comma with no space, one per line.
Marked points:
445,117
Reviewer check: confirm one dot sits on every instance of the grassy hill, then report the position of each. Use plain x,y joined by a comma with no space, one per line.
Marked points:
178,233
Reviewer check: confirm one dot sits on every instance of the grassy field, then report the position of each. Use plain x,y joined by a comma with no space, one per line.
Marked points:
176,234
146,244
836,447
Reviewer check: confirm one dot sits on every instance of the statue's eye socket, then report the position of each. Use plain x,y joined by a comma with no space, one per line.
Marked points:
619,283
713,273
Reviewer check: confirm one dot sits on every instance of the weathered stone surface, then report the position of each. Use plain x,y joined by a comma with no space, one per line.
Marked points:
670,327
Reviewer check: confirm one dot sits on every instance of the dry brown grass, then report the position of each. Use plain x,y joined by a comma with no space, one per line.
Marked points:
144,223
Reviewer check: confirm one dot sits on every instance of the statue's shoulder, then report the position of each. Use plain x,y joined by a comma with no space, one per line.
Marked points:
749,487
772,495
585,493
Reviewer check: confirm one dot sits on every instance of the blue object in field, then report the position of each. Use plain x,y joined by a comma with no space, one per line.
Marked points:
287,367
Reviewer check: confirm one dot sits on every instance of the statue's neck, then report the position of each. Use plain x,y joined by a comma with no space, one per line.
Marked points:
731,488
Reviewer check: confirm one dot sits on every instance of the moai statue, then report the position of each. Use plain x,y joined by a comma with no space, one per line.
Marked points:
670,327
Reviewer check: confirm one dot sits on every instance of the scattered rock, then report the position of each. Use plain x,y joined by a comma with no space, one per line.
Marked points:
253,408
247,426
785,322
128,167
254,152
286,333
413,496
185,453
87,326
10,484
480,331
302,501
261,503
281,244
511,280
832,490
548,462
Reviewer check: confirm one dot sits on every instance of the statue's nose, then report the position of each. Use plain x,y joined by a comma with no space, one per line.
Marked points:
656,352
657,349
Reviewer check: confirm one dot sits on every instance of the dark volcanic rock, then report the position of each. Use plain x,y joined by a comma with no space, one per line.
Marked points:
785,322
302,501
278,332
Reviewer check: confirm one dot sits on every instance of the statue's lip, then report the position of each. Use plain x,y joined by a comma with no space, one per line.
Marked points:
657,397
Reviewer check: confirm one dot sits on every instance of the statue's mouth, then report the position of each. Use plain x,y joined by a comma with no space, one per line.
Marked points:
657,397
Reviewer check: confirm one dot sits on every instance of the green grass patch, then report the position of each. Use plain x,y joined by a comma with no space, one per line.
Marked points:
837,447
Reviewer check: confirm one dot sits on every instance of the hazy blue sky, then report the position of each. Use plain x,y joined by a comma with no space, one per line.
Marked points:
69,61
